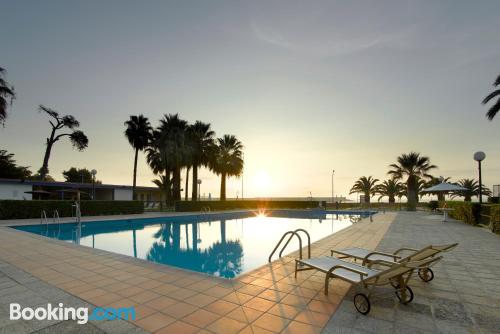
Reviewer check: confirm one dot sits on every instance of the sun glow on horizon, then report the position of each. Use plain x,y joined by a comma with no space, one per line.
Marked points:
262,182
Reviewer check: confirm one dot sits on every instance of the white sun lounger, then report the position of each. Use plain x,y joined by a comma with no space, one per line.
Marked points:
368,256
395,274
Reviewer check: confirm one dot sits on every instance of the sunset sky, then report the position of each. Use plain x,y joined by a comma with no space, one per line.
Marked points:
307,86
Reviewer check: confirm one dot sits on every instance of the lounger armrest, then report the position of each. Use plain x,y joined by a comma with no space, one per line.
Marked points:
339,266
367,257
382,262
406,249
423,264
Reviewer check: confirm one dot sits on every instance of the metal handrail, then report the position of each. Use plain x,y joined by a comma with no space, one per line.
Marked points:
56,216
293,233
43,217
308,242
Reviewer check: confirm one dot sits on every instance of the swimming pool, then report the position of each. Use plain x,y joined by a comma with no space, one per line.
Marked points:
223,245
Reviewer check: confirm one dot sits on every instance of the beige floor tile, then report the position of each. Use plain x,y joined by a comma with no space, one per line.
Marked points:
154,322
226,326
178,327
271,322
201,318
179,310
260,304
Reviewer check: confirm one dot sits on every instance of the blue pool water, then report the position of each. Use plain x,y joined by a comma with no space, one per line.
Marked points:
224,245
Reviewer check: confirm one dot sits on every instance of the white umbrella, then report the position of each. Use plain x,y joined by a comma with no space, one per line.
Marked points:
444,187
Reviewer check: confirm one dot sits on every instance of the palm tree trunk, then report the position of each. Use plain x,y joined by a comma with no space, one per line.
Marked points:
367,198
134,197
186,190
392,200
168,188
176,184
194,195
223,231
45,166
412,193
223,187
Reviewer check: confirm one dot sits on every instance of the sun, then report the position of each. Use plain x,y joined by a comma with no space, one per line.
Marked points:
262,180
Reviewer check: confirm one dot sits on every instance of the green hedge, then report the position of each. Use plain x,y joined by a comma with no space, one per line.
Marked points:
184,206
462,211
494,213
19,209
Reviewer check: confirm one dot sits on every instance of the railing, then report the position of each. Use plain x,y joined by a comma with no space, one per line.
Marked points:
56,218
291,235
43,217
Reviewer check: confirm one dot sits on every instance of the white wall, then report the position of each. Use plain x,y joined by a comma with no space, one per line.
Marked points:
123,194
15,191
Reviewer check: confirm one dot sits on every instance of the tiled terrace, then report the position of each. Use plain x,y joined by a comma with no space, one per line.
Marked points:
463,298
170,300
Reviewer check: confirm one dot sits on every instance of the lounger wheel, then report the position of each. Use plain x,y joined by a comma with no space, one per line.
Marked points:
408,296
362,303
426,275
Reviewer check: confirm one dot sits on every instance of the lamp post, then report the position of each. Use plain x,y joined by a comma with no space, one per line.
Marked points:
480,156
333,194
199,189
93,172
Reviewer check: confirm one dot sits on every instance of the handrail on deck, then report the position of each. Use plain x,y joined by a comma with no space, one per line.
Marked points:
43,217
292,234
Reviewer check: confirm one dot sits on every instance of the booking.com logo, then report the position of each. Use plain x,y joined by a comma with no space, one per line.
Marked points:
60,312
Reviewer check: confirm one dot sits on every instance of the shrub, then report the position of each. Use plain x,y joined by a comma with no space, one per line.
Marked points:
184,206
495,219
462,211
18,209
433,205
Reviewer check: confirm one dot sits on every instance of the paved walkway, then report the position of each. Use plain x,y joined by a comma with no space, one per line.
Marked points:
171,300
464,296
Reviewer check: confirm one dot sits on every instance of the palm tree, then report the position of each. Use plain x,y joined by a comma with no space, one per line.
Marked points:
496,106
138,133
366,186
390,188
7,94
172,131
201,139
158,159
227,160
413,166
77,138
472,189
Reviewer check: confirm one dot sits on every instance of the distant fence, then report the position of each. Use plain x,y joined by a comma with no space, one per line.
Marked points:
184,206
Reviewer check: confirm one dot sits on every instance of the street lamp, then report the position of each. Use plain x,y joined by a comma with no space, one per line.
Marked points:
93,172
199,189
333,195
480,156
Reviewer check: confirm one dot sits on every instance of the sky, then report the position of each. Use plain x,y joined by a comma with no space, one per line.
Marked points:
307,86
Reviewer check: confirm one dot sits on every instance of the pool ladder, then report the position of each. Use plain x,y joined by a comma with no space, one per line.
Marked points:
291,235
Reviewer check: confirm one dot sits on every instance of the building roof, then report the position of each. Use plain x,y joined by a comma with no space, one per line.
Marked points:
74,185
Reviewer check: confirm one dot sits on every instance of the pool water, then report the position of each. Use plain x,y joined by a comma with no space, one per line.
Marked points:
223,245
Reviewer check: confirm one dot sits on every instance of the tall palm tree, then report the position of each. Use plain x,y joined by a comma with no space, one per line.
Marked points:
366,186
472,187
7,94
58,122
390,188
201,139
413,166
496,106
138,133
157,156
227,160
173,137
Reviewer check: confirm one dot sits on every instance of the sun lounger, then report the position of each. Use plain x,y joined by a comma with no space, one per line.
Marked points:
411,254
395,274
